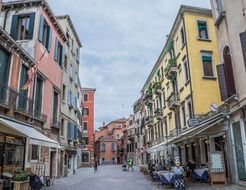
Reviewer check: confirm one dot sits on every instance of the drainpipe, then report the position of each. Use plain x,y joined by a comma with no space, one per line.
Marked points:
188,62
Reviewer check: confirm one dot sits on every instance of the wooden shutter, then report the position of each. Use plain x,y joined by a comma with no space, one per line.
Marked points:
31,26
69,131
50,38
14,27
62,57
243,44
231,89
75,132
41,28
56,50
222,81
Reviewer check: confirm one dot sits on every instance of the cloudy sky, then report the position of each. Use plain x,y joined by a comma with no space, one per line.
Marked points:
121,39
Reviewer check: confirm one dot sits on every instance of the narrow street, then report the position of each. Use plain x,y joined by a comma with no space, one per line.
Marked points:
113,178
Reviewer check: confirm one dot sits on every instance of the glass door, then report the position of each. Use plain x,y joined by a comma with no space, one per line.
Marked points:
239,151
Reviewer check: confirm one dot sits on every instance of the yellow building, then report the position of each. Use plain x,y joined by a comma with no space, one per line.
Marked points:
183,83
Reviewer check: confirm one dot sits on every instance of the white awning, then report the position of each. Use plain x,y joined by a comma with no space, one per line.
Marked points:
158,147
35,136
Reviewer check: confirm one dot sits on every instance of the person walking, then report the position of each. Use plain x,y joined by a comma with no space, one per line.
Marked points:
95,166
130,164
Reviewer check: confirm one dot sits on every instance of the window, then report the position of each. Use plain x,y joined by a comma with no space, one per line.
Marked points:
202,29
68,39
77,54
35,152
38,97
55,107
85,124
103,147
119,126
70,99
183,113
63,92
22,26
165,125
164,98
207,64
4,70
23,94
186,69
114,147
182,34
190,109
45,33
65,62
72,46
86,111
85,97
62,127
58,56
85,157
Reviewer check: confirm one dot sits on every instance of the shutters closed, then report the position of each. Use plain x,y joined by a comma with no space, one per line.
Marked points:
222,81
14,28
41,28
31,26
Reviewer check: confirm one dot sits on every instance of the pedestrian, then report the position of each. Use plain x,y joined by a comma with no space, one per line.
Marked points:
179,178
130,164
95,166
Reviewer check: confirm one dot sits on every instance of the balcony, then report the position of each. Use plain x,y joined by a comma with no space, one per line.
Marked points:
173,101
157,88
149,121
24,105
7,96
171,69
159,114
40,116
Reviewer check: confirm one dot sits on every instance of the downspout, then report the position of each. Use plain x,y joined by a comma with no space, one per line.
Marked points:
5,18
188,62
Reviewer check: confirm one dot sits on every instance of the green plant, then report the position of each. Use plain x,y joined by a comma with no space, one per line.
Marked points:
171,63
20,176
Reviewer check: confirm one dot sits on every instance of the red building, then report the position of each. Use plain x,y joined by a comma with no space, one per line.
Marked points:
88,126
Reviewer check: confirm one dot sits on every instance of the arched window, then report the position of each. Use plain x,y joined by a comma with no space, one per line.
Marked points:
103,147
230,84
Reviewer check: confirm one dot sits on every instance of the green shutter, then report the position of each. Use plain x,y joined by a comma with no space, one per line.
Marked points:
38,96
75,132
41,28
62,57
4,66
69,131
56,50
14,27
206,58
31,26
50,38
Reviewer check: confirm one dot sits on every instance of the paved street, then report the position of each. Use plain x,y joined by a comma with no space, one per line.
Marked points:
112,178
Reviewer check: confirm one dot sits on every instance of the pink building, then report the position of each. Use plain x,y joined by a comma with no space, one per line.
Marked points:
34,26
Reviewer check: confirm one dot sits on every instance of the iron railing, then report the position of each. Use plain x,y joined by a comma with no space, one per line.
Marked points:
7,96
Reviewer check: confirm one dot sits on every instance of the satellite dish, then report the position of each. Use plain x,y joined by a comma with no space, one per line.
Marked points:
214,107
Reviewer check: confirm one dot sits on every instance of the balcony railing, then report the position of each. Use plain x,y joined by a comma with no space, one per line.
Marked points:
159,114
7,96
157,88
173,101
149,120
171,69
24,104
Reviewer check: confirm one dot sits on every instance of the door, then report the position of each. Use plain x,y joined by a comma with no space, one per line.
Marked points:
239,151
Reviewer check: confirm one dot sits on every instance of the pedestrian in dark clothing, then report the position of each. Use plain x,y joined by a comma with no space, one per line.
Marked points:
95,167
191,165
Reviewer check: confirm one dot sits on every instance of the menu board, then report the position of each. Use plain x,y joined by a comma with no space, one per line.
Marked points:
217,162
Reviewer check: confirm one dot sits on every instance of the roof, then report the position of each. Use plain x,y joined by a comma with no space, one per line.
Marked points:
30,3
88,89
11,45
182,9
107,138
72,27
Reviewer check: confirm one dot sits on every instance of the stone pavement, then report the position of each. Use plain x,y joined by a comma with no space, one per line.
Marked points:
112,178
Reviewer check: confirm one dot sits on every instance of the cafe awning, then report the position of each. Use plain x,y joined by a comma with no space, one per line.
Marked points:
156,148
35,136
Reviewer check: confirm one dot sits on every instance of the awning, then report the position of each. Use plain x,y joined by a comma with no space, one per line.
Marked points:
156,148
35,136
196,130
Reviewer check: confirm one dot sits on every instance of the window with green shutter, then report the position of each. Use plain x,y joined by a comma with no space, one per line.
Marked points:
38,97
45,33
207,64
22,26
202,29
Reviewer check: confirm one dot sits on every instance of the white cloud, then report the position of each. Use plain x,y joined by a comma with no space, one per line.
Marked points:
122,40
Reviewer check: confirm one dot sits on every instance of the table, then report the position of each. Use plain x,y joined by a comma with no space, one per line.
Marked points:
168,178
200,174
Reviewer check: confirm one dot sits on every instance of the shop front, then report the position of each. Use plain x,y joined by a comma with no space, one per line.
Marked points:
23,147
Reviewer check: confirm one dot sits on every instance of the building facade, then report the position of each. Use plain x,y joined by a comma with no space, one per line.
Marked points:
88,135
229,20
108,142
181,86
70,97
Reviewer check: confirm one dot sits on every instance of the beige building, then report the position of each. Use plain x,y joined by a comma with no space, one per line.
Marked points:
71,97
230,23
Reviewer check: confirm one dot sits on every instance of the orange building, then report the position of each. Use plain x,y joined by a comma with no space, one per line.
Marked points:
108,142
88,126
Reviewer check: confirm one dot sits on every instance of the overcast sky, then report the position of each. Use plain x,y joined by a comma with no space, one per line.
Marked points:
121,39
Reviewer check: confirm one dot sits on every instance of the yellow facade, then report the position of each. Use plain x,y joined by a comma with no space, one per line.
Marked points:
193,92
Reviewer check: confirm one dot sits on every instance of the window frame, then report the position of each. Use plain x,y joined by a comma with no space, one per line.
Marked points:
207,30
87,97
37,152
19,26
186,69
202,53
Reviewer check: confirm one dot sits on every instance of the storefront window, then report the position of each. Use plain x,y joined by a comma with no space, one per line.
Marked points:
35,152
14,140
